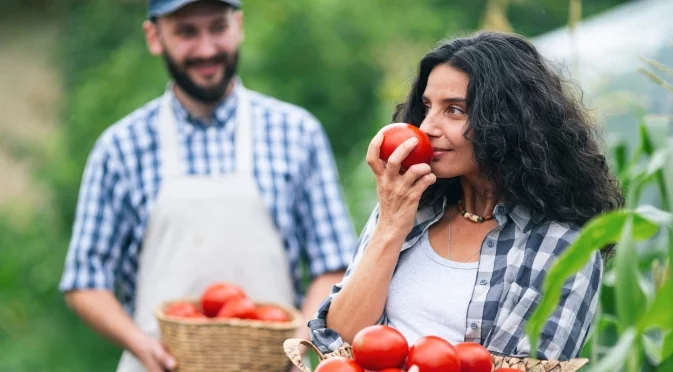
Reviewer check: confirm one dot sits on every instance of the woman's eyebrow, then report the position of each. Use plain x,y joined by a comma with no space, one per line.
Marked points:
449,99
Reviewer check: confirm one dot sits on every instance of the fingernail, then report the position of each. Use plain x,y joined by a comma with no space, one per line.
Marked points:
414,141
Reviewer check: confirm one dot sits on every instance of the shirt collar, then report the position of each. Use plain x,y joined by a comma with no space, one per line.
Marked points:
220,116
522,216
516,212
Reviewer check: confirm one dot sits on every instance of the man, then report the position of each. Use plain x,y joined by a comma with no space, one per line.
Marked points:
210,182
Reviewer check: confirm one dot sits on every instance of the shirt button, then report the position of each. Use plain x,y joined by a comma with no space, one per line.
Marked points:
500,209
474,326
483,282
489,242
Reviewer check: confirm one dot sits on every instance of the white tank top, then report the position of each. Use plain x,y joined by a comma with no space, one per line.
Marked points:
429,294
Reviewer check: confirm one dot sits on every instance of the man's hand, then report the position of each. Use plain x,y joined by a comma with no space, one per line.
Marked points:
153,355
101,310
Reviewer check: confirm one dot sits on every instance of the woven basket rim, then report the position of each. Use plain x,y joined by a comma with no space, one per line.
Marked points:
295,317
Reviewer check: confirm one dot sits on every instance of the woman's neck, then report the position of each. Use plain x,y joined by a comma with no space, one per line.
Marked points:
479,196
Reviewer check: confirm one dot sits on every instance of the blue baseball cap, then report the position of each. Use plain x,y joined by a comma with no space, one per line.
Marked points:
158,8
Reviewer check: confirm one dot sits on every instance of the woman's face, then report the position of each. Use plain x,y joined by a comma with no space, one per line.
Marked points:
445,123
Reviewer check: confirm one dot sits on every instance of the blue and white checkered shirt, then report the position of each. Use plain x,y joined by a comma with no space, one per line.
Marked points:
515,258
292,164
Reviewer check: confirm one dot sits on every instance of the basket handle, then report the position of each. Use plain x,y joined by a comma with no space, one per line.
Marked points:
291,347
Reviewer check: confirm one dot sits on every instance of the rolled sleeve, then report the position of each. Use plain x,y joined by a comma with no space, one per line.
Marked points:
329,232
99,227
325,339
565,333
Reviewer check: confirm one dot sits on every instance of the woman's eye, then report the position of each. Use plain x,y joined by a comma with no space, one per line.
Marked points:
454,110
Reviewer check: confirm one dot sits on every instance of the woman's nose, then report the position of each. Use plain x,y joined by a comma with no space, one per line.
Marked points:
429,128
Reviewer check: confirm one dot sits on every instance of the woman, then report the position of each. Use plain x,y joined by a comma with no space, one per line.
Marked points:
460,248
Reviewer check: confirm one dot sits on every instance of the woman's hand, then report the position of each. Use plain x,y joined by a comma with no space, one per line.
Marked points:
398,193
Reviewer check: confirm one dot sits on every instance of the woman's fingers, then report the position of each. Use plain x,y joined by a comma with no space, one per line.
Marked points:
421,185
373,155
414,173
397,157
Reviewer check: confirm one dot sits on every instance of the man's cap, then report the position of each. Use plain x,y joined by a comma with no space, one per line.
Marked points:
158,8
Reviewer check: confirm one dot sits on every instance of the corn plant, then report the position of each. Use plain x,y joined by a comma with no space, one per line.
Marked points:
633,328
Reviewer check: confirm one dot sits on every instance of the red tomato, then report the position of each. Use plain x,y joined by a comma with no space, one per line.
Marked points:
238,307
338,364
377,347
216,295
396,133
474,357
183,310
391,370
434,354
271,313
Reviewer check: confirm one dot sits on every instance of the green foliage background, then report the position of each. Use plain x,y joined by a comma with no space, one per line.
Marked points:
346,62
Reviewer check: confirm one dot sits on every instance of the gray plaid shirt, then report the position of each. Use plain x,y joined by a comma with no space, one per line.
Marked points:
515,258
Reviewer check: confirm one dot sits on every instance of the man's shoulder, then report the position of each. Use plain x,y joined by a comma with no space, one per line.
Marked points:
135,126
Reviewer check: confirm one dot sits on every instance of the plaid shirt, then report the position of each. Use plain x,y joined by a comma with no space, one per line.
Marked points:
515,258
292,164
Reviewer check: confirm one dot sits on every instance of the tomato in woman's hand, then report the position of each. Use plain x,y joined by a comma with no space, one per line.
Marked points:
379,346
216,295
271,313
238,307
338,364
183,310
391,370
434,354
396,133
474,357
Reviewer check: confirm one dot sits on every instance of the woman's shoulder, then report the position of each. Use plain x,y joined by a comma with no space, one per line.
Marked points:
553,238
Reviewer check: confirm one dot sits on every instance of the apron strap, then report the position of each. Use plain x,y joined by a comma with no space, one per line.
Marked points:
243,136
168,135
168,139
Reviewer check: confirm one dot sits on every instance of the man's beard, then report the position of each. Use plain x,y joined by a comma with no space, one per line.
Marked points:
204,95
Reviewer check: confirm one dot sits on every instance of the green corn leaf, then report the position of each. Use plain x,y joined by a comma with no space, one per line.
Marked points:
666,365
597,233
657,162
620,155
655,127
660,314
645,141
666,188
618,354
630,297
652,349
647,217
667,349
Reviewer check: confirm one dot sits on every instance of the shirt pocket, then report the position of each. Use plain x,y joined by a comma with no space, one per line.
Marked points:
507,334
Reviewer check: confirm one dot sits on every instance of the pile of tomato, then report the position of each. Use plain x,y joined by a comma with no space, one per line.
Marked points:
225,300
384,349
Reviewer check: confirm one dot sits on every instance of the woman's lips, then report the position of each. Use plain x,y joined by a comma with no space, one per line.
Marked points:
438,153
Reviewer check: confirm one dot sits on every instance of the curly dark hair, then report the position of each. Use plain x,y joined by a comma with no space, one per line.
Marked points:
532,137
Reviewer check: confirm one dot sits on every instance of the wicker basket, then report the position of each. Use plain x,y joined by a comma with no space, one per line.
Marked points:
207,345
291,347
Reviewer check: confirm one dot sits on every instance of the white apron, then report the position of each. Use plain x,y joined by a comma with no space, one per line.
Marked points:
207,228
